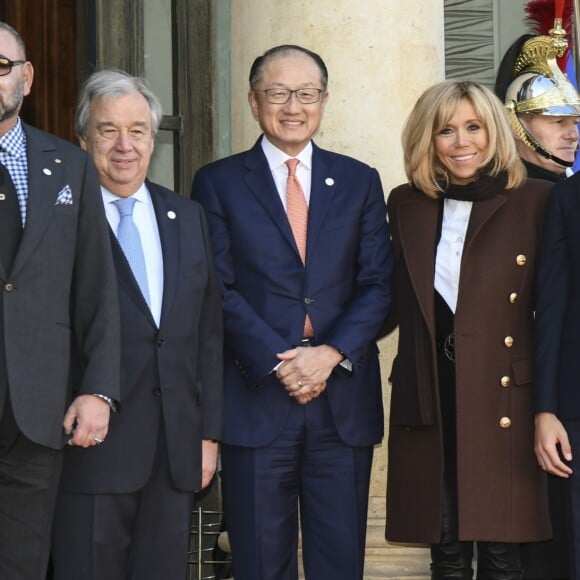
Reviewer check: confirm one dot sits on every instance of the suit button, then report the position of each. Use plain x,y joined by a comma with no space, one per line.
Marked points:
505,422
157,392
508,341
308,300
505,381
8,287
160,342
521,259
513,297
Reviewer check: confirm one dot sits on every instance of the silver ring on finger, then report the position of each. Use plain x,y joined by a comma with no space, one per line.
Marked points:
97,440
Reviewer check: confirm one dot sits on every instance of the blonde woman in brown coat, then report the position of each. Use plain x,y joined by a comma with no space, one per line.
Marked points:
465,231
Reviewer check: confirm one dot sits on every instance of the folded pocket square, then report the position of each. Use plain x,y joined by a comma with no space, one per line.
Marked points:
64,196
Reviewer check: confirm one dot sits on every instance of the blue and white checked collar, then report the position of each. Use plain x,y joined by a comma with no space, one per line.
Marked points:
14,142
13,157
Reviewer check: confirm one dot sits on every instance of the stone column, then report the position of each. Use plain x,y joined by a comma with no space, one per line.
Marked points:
380,55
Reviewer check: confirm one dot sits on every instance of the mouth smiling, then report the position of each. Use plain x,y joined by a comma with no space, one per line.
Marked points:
461,158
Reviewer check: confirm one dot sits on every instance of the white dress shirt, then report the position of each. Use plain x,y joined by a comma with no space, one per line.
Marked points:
450,249
146,222
277,163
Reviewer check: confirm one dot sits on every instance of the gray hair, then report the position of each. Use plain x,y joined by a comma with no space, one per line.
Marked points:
109,84
19,41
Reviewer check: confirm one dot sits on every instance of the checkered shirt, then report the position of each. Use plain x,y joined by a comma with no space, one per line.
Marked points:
13,157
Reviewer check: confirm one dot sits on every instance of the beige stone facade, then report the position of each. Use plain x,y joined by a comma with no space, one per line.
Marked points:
380,55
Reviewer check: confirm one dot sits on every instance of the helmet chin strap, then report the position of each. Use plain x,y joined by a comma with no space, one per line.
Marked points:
529,140
551,157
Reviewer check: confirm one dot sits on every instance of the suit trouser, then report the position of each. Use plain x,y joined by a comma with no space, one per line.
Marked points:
307,465
573,499
126,536
29,475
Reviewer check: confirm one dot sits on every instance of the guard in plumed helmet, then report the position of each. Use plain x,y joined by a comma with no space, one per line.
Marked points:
543,109
543,105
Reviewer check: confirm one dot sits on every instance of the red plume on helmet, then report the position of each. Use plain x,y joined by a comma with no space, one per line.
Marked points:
543,13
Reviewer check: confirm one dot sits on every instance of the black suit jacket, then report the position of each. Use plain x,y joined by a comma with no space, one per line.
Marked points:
171,375
59,297
557,329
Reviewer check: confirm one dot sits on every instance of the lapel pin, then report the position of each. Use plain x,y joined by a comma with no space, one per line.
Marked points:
329,181
57,160
47,171
171,215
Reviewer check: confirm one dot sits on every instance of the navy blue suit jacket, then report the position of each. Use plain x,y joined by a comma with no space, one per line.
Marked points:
557,333
344,288
171,376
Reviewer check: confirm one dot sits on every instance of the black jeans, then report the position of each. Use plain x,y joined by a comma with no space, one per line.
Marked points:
452,559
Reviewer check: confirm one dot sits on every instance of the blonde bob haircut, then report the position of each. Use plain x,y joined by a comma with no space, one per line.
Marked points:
429,117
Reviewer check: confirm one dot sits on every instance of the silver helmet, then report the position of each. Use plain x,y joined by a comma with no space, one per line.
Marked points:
540,87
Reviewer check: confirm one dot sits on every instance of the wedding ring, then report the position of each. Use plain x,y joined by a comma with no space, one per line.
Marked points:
299,383
98,441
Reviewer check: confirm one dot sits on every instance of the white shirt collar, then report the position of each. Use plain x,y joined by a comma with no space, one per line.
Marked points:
277,158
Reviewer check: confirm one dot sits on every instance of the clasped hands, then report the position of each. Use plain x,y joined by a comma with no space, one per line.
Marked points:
305,370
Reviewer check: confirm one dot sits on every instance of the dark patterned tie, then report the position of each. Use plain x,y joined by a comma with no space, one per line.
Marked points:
10,220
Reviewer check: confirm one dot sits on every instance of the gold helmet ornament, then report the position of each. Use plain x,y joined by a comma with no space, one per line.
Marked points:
539,87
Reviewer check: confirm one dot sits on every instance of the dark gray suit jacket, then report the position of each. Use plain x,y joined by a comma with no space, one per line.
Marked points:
60,297
171,375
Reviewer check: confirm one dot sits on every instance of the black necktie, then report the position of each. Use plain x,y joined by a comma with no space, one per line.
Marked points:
10,220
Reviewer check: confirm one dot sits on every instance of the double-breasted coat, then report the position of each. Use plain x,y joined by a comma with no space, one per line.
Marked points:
501,490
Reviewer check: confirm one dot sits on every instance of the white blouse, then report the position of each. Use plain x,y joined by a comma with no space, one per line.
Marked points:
450,249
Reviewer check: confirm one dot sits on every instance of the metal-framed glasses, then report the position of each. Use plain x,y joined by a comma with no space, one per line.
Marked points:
282,96
6,65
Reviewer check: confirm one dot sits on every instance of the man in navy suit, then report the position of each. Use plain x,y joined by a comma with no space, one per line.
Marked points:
303,404
557,360
124,507
59,327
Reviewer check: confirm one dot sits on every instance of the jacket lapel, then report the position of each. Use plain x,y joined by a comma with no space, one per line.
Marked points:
125,277
44,179
168,222
481,213
258,178
418,226
322,189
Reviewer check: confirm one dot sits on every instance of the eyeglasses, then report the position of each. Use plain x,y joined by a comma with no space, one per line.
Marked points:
282,96
6,65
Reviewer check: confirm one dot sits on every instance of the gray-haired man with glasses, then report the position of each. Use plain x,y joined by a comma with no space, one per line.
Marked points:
59,328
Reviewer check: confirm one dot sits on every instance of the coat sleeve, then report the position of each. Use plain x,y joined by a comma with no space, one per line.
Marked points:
553,281
256,342
210,349
95,308
365,313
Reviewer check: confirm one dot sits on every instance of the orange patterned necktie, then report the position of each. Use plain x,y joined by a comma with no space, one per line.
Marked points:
298,217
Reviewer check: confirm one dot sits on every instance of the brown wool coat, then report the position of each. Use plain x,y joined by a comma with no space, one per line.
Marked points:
501,490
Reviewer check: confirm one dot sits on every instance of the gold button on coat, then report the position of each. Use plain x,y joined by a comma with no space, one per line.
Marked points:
513,297
505,422
508,341
505,381
521,259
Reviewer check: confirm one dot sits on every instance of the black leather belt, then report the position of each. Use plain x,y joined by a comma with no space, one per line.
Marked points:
307,342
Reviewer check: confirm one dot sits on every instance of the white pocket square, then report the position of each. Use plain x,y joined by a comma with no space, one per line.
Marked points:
64,196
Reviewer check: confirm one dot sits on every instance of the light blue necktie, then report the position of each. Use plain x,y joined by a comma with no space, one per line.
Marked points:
130,241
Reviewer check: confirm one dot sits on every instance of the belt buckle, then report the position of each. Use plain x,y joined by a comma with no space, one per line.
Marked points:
307,341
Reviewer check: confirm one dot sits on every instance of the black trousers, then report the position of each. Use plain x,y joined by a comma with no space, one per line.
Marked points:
453,560
29,475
